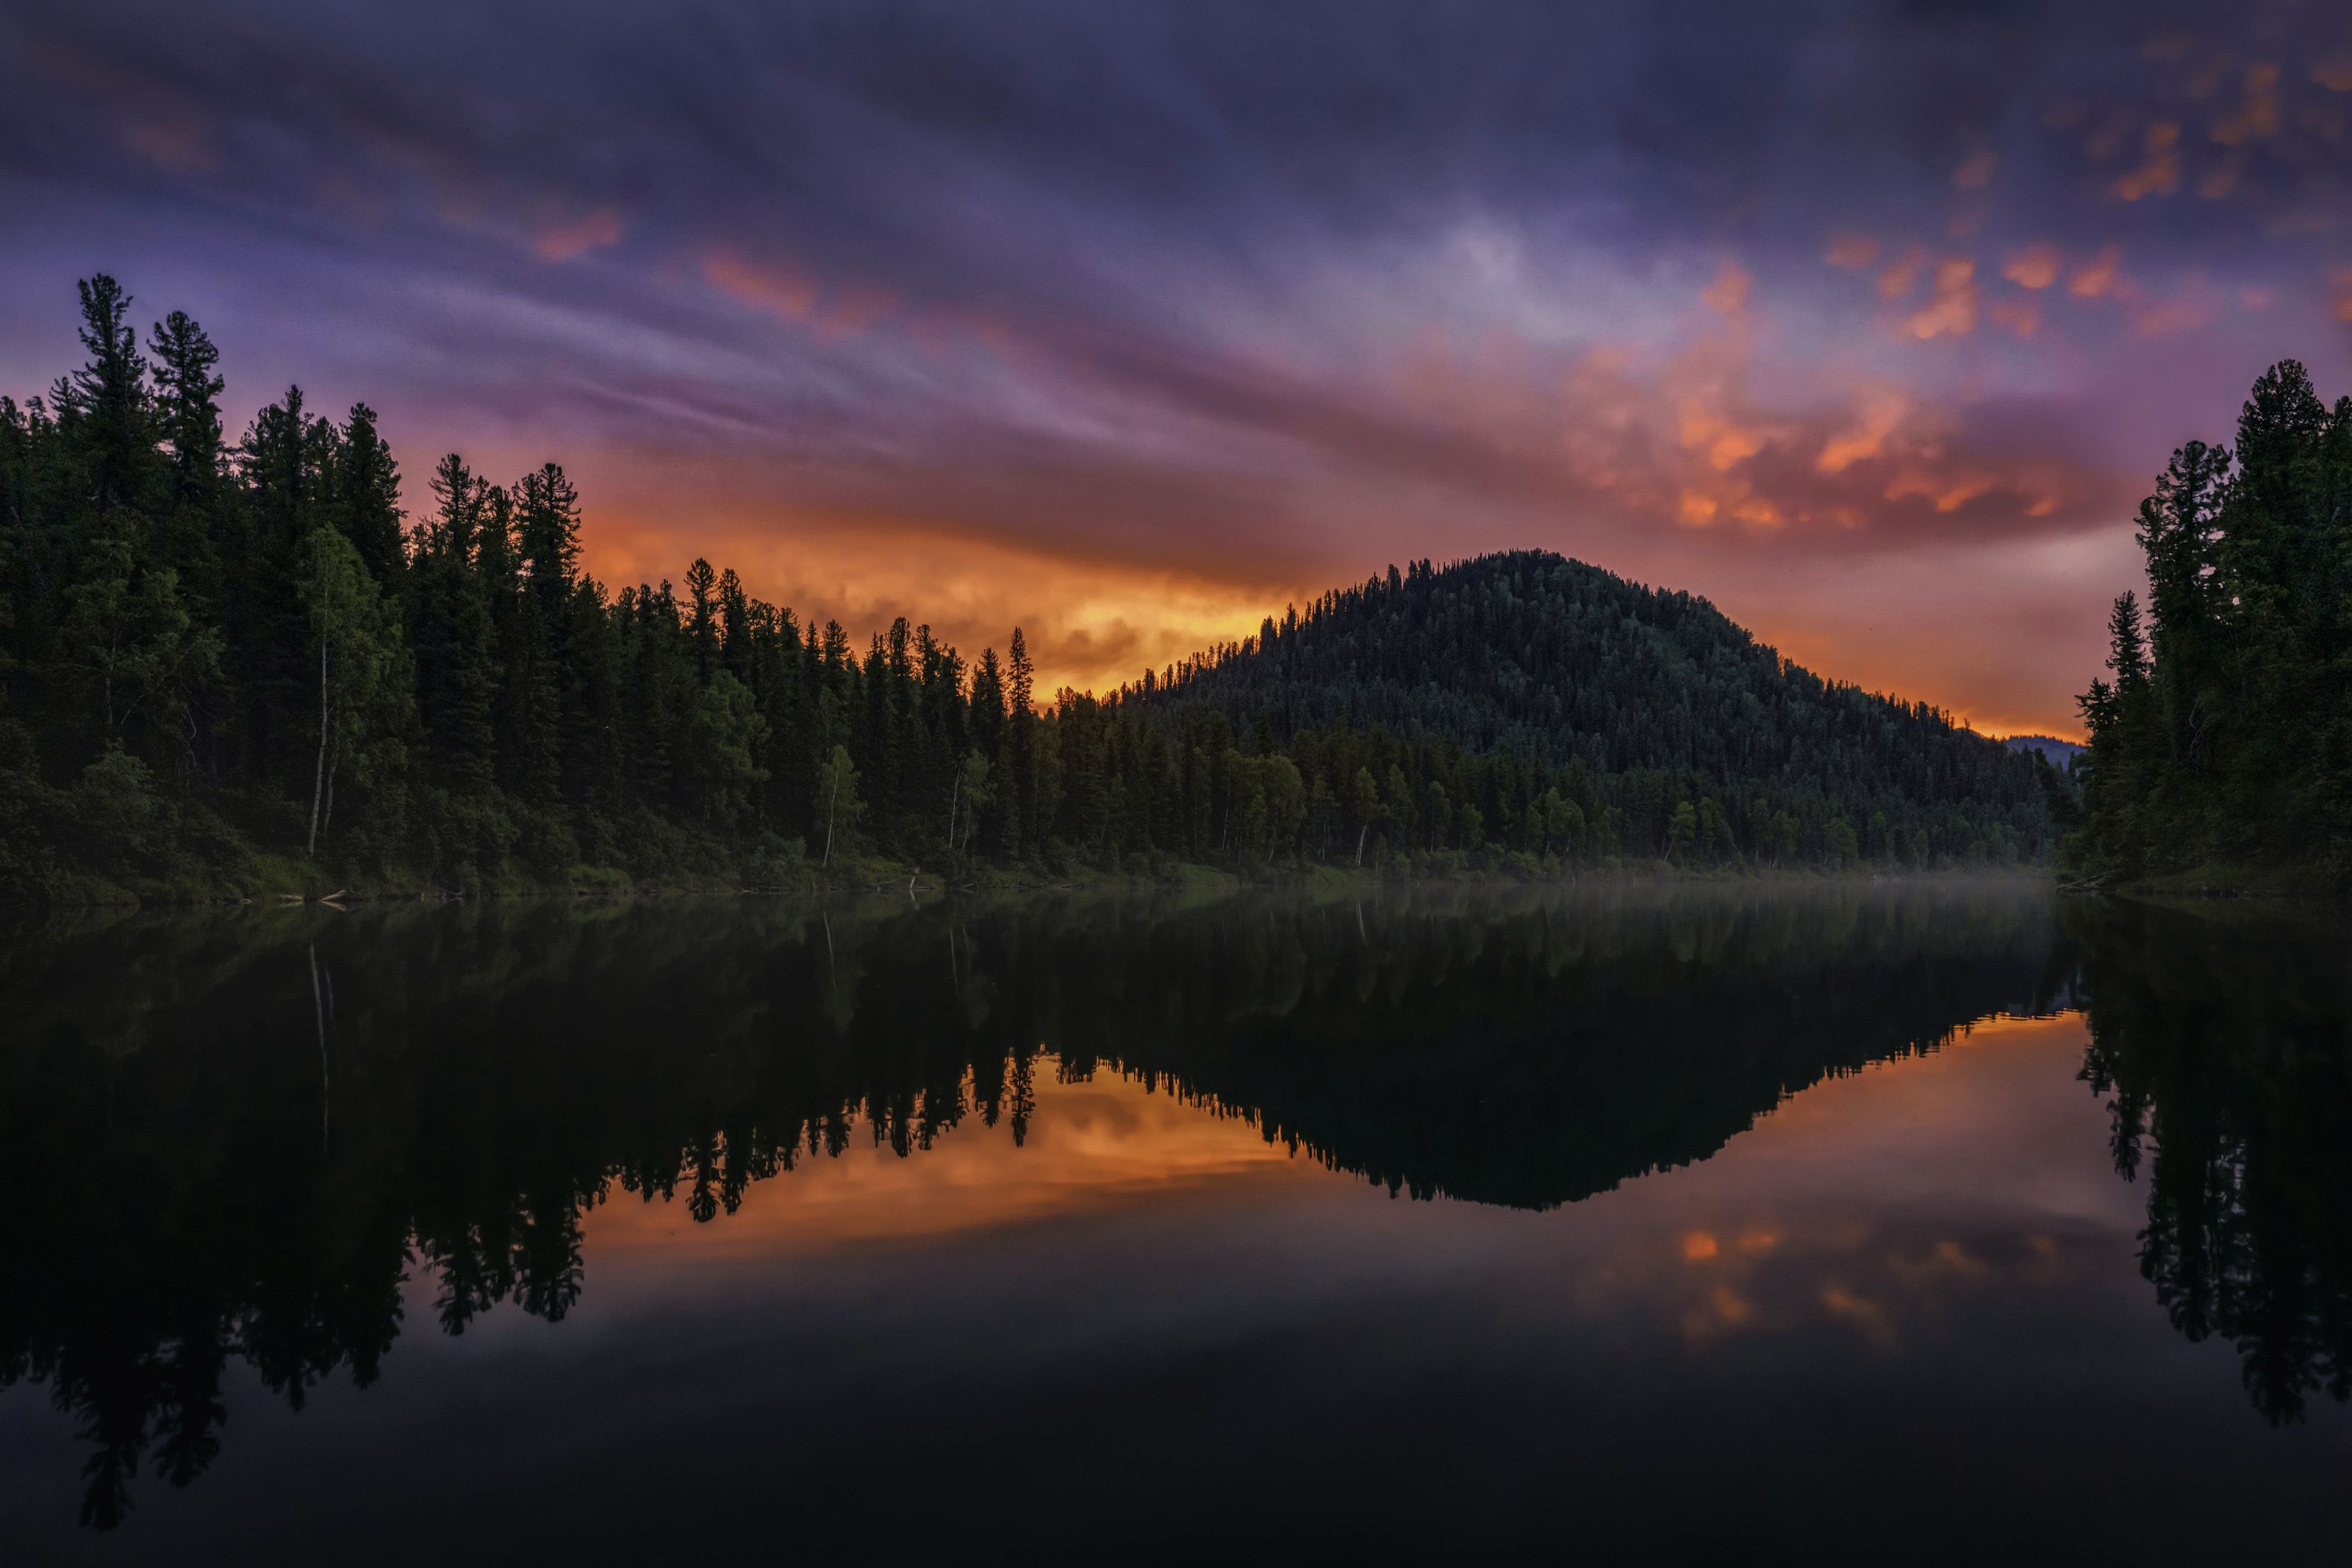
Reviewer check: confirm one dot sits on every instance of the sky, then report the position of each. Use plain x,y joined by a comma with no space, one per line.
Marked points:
1131,324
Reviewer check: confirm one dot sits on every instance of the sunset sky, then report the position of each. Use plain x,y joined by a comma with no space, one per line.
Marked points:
1129,322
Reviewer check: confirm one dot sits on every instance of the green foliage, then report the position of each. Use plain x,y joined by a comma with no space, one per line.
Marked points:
838,804
725,740
2222,731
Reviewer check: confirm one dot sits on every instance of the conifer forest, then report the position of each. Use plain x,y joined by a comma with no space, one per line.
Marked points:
275,658
2221,734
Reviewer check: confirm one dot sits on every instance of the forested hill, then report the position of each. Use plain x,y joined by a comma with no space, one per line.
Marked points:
1530,656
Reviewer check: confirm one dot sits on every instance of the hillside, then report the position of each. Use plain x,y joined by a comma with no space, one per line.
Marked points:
1648,698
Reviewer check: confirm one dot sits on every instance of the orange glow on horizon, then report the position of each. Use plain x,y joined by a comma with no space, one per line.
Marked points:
1089,625
1095,625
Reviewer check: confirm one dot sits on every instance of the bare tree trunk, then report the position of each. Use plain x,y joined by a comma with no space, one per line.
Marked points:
318,778
1359,843
830,796
954,792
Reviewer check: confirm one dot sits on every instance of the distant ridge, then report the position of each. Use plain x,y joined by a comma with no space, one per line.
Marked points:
2049,748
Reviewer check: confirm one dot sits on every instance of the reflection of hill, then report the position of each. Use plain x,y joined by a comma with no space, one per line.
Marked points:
1539,1060
214,1160
2225,1042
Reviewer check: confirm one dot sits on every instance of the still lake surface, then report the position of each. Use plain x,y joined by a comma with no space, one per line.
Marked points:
1888,1221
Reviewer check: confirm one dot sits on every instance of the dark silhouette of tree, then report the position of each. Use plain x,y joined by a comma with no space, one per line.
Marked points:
2225,737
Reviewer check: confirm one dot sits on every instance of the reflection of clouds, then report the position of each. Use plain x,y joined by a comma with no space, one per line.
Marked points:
1094,1145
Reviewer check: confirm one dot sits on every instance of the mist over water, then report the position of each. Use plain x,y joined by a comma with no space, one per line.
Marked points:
1395,1222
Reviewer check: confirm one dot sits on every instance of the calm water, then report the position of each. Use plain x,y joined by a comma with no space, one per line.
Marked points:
1887,1222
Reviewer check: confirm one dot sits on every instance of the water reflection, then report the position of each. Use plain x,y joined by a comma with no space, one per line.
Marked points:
2224,1040
266,1138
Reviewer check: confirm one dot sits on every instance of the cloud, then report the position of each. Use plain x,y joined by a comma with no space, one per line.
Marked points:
1727,295
564,239
2257,117
2159,174
1902,275
2036,266
1951,310
2021,317
1851,251
1881,414
2098,277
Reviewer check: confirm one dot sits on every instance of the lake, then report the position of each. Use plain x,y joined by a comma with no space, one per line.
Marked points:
1889,1220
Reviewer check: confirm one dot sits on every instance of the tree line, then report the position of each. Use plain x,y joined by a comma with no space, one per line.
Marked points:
2221,734
222,659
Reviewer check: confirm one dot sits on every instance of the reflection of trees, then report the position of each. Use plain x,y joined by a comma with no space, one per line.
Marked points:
2225,1048
183,1203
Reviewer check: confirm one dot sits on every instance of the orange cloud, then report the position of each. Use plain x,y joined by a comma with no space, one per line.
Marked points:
2021,317
781,288
2035,266
2159,174
2219,181
2257,117
2165,316
1851,251
2097,277
1090,625
1976,171
1727,294
1900,276
1948,493
1951,310
1873,462
1864,1315
2335,74
786,290
1880,416
563,241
